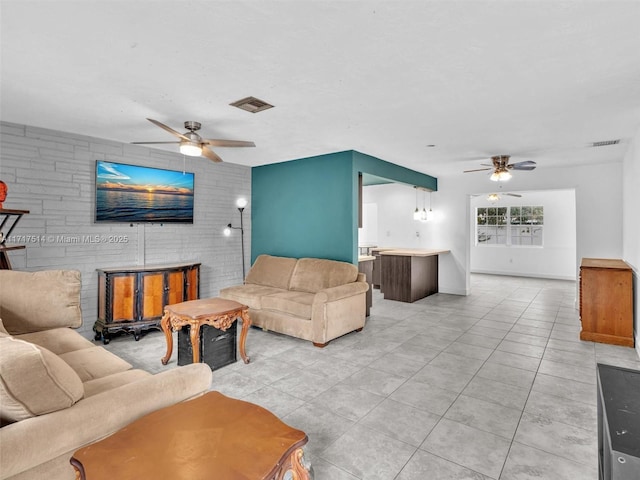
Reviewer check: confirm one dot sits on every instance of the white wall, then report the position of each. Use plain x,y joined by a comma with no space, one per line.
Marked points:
51,174
598,192
555,259
393,205
631,221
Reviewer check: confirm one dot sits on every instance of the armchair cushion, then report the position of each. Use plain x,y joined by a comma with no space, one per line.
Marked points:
34,381
94,362
58,340
22,312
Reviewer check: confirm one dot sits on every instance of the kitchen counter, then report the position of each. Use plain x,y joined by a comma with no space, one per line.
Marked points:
412,252
409,274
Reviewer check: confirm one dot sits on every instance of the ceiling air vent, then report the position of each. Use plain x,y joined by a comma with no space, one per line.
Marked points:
251,104
605,143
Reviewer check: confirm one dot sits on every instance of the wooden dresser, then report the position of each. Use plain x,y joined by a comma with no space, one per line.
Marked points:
132,299
606,301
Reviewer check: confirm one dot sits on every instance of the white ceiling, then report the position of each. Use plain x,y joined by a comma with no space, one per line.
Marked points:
537,80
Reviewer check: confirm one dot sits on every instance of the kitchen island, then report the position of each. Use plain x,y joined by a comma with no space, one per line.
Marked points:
408,275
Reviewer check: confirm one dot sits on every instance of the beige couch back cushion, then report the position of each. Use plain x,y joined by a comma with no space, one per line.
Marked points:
271,271
34,381
315,274
34,301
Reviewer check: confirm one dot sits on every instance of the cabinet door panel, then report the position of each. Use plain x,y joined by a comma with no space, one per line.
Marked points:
193,288
123,298
152,295
175,284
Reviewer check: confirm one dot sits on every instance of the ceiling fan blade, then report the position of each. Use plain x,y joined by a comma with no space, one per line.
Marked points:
227,143
478,170
151,143
512,194
526,165
169,129
210,154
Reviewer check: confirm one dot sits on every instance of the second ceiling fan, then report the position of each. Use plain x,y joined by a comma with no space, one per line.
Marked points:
501,167
194,145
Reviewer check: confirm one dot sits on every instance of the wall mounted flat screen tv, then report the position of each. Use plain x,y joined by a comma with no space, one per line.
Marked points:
135,194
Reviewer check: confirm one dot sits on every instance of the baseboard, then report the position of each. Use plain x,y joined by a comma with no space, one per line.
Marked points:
453,291
529,275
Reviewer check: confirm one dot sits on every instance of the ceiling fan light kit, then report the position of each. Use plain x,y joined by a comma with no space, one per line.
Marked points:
500,176
190,149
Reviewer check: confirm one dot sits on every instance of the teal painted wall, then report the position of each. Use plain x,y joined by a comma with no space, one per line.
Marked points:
395,173
303,208
309,207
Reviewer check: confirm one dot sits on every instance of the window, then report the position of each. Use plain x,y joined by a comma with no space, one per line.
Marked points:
492,225
521,226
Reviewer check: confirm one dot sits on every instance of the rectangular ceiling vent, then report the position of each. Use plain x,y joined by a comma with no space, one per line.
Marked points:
605,143
251,104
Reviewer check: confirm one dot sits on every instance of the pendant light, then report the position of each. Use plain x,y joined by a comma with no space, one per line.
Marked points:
416,212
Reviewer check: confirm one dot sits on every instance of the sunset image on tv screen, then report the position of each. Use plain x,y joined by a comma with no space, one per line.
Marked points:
129,193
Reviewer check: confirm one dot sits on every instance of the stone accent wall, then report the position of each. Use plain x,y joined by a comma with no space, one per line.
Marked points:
51,174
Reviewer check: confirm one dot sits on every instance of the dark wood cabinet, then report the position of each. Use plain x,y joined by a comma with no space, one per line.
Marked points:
132,299
606,301
365,265
409,277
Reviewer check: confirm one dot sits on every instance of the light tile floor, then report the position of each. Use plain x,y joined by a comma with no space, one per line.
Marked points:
494,385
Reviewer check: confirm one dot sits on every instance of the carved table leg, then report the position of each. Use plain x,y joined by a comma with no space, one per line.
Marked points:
246,323
194,334
165,323
295,468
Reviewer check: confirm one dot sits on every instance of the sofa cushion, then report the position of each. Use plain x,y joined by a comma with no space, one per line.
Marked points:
249,294
34,381
94,362
58,340
34,301
291,302
272,271
315,274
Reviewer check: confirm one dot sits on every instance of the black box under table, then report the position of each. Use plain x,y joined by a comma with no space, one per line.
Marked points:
217,347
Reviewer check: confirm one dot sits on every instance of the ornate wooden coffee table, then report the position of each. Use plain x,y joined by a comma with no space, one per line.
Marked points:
217,312
210,437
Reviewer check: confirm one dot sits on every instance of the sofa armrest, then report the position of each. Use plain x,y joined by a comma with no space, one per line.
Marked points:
341,291
36,440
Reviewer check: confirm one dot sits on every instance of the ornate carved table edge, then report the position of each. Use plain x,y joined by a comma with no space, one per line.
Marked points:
295,467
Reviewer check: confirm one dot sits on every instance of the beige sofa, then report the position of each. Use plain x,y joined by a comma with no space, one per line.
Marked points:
58,390
309,298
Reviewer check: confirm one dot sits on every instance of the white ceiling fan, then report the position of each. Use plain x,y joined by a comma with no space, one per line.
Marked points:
194,145
501,167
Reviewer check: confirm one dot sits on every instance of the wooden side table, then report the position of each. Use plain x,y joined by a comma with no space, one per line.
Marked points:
210,437
217,312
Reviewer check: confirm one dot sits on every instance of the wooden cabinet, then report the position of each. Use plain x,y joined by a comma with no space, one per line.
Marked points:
133,299
606,301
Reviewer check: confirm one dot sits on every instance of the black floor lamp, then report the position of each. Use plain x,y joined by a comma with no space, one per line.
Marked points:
240,203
